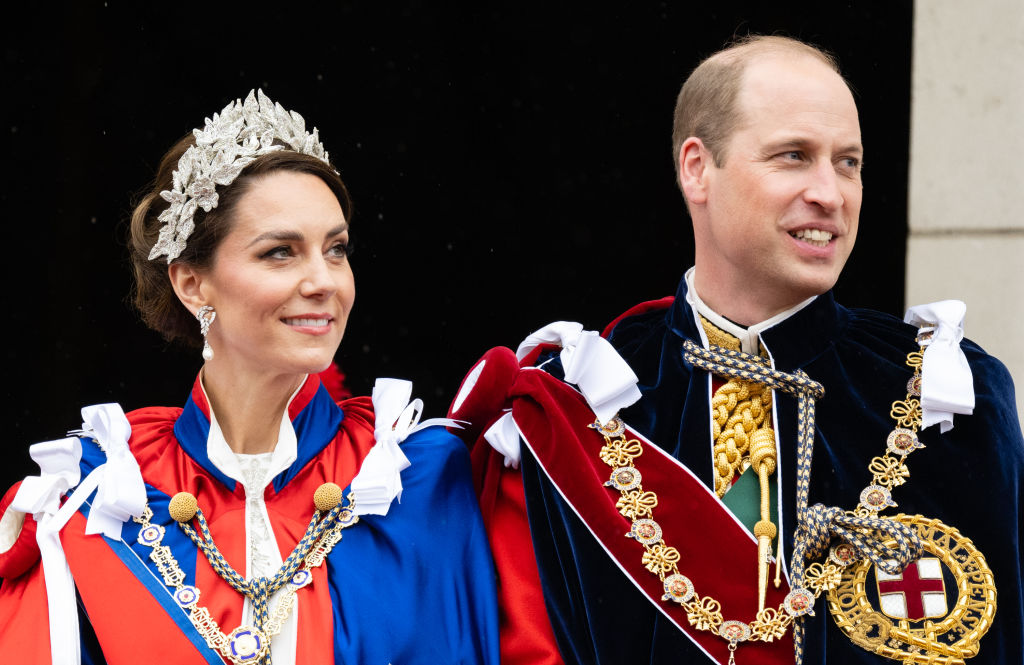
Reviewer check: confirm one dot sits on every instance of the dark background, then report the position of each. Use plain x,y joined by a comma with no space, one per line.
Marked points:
510,166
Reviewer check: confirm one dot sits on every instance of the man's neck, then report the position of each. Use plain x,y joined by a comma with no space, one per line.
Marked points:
749,335
746,303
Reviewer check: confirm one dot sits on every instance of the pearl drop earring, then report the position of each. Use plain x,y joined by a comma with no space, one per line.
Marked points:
206,315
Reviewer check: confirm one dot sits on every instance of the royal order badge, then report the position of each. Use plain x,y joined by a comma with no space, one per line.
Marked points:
918,619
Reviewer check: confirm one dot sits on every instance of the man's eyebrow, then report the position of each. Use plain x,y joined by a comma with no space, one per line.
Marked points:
802,144
295,236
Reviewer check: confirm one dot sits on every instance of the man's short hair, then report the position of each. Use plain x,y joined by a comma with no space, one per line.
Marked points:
706,106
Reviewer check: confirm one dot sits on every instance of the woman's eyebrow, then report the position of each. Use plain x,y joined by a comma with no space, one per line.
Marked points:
295,236
338,230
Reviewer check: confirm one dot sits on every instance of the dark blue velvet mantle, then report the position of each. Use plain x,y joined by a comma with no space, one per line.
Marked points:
971,478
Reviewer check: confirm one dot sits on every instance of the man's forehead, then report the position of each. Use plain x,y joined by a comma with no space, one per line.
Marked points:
787,90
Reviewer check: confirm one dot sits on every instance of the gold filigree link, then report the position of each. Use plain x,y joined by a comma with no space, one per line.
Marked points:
915,359
705,614
620,452
281,612
636,503
823,577
327,541
208,628
907,413
165,562
661,559
889,471
770,625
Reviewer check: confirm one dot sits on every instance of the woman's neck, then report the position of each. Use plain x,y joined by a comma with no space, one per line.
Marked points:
248,407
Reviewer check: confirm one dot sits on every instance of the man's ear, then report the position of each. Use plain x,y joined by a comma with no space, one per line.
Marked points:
187,283
694,163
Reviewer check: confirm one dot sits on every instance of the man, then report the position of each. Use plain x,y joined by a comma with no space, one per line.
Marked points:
799,429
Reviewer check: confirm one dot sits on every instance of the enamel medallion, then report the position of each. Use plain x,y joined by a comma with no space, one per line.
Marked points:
920,619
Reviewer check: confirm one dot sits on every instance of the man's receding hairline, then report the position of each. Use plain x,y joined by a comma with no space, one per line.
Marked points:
742,50
783,53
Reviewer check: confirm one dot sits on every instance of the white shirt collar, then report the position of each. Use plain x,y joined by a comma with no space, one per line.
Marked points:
221,456
749,337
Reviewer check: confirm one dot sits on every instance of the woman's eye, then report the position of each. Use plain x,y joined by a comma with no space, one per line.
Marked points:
341,249
281,252
792,155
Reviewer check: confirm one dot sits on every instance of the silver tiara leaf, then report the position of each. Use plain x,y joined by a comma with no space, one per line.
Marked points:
229,142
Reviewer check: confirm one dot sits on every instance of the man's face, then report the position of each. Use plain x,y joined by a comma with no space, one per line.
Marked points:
781,213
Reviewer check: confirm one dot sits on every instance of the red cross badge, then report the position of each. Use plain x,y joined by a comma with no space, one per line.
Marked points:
916,594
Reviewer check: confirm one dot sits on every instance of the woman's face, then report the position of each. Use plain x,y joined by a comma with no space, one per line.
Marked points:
280,280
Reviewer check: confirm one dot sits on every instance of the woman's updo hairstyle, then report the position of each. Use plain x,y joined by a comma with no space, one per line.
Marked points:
153,294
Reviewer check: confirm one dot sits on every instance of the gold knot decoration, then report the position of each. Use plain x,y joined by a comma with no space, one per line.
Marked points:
326,497
183,507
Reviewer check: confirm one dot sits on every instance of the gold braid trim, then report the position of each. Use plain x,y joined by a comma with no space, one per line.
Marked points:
739,408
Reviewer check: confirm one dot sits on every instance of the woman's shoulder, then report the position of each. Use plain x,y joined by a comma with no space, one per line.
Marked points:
436,440
151,428
151,421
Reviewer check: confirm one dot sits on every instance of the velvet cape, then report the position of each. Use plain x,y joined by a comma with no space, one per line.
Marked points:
970,478
413,586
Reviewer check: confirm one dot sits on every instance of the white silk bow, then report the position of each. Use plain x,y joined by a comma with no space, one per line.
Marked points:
120,495
379,481
947,384
40,496
591,363
120,491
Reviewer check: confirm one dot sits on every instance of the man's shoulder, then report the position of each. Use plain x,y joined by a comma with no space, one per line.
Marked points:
869,322
993,385
645,313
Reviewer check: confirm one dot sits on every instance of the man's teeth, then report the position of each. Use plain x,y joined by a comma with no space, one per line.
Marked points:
307,322
816,237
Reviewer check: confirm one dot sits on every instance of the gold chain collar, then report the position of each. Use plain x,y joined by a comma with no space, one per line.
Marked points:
245,644
704,613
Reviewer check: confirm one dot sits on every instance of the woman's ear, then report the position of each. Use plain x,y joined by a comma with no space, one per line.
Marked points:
187,283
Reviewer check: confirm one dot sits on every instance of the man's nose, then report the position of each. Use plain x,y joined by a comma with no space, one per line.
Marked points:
824,188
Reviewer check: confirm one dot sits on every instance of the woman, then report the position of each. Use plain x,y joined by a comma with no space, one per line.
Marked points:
219,532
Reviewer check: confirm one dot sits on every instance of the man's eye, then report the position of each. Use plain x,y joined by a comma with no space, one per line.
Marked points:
792,155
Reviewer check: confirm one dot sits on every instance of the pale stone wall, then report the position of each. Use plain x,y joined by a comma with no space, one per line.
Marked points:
967,169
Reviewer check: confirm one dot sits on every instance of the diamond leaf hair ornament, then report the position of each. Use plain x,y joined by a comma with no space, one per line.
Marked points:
229,142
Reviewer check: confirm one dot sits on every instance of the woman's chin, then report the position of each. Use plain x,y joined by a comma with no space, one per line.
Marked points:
313,363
